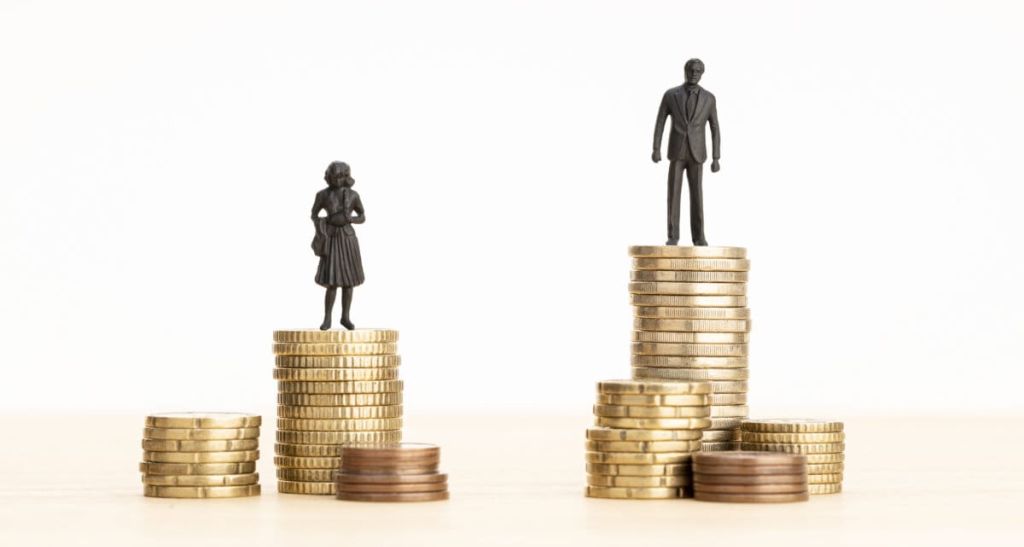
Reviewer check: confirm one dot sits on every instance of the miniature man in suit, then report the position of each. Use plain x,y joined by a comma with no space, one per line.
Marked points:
691,107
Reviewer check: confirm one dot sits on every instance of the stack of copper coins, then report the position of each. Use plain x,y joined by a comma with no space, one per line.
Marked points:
750,477
391,472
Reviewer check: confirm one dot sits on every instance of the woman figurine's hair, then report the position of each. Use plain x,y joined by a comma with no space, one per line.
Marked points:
337,168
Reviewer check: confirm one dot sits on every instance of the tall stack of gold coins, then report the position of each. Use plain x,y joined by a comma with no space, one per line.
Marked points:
823,442
200,455
647,432
692,324
334,387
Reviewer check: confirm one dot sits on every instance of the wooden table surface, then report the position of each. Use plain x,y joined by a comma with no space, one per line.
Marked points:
68,480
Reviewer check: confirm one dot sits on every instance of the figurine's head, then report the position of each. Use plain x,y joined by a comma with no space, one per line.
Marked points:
694,69
339,174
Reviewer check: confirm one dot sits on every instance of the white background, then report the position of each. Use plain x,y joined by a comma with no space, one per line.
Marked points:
158,162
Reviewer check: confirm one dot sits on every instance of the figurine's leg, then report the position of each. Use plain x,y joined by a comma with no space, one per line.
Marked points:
346,305
694,174
328,307
675,187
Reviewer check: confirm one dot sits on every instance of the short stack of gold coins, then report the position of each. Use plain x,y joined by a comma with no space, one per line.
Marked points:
692,324
334,387
395,472
647,432
822,441
200,455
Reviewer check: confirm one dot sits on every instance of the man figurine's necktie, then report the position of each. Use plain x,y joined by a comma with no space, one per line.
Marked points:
691,103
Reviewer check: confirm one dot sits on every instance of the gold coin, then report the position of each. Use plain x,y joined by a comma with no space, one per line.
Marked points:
698,264
693,374
611,492
239,468
814,468
316,336
316,437
718,399
201,480
663,312
675,251
688,289
643,446
343,425
201,491
641,387
657,337
303,462
815,448
816,459
653,400
638,458
726,423
825,488
642,373
754,437
676,361
667,300
306,475
710,350
202,457
619,411
168,445
635,435
322,388
312,488
337,361
687,276
730,411
334,450
724,446
658,481
792,425
643,470
295,379
357,387
824,478
653,423
203,420
721,436
339,412
383,348
692,325
201,434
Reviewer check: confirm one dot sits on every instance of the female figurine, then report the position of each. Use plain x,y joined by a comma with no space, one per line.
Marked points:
335,241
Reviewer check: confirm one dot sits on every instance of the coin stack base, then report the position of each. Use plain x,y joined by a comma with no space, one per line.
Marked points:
691,323
334,387
394,472
822,442
647,433
750,477
200,455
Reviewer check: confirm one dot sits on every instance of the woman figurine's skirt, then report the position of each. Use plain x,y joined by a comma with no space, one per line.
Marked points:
341,265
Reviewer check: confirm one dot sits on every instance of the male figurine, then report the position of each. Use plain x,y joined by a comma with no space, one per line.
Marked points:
691,106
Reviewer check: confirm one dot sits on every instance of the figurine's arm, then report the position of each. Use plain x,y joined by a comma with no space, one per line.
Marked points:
357,208
317,206
659,128
716,137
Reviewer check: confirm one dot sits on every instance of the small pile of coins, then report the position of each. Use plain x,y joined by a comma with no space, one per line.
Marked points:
822,442
200,455
391,473
334,387
691,324
750,477
647,433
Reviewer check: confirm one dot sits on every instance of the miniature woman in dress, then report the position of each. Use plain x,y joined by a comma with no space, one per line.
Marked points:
335,242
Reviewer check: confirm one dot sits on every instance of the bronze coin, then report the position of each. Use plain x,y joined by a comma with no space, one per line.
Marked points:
751,498
749,469
410,496
386,470
390,478
794,488
741,457
749,479
392,488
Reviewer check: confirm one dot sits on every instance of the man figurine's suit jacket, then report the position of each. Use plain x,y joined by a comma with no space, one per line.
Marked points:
688,132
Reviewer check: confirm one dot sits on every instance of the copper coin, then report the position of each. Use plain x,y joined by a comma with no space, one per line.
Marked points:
410,496
741,457
390,478
393,488
794,488
386,470
751,498
750,469
749,479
